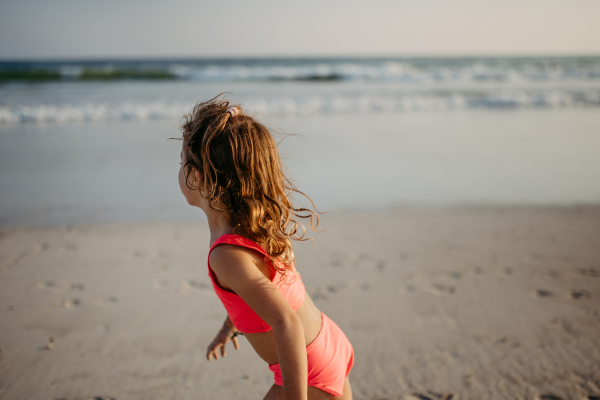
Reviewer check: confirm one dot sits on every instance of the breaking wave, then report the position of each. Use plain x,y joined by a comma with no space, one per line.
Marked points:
321,104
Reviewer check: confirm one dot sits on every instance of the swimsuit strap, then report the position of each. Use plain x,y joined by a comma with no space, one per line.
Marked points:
239,241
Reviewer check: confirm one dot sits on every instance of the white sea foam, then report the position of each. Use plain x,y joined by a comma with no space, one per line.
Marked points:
92,112
318,104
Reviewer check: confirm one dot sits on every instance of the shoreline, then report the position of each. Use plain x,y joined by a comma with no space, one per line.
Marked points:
186,213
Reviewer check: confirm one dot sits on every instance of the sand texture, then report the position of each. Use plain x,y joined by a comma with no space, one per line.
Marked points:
461,303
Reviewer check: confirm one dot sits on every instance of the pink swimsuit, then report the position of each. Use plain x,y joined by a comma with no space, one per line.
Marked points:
330,355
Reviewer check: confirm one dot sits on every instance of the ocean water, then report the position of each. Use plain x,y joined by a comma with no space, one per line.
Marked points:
86,142
159,89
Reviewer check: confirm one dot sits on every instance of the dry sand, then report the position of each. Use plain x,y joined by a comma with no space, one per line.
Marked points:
469,303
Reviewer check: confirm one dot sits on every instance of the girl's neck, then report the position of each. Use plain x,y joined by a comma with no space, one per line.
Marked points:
217,224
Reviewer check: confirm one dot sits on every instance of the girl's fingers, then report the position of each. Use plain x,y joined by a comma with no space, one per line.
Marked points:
213,351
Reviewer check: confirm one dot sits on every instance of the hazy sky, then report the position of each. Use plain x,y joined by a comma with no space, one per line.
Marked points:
121,28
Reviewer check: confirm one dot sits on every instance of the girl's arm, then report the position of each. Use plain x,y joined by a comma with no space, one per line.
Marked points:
230,325
236,267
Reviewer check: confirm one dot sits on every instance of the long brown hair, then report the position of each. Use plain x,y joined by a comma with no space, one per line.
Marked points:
242,176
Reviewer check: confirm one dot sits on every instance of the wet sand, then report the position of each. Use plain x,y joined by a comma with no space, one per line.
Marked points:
469,303
126,171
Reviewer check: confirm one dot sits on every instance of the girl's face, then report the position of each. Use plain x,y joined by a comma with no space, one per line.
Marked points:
192,196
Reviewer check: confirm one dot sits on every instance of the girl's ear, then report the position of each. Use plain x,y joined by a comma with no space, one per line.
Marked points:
196,181
194,178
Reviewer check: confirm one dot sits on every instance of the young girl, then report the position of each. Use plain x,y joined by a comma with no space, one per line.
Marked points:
231,170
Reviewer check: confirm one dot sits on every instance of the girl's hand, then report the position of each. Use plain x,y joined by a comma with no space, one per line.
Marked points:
223,337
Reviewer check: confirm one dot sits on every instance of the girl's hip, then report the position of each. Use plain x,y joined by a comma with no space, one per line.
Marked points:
330,358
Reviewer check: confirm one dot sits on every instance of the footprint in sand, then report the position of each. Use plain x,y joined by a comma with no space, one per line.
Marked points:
333,289
56,288
189,285
590,271
107,301
475,269
319,296
408,289
548,274
448,274
161,269
39,247
478,270
48,346
326,292
86,398
66,303
501,340
138,254
542,293
14,260
547,397
579,294
441,289
357,260
429,396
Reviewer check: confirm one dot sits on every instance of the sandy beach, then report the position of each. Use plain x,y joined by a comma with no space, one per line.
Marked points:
448,303
445,287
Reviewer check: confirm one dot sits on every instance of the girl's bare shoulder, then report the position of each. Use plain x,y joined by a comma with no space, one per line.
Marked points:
227,258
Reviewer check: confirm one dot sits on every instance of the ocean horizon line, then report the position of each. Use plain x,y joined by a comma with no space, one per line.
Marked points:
241,57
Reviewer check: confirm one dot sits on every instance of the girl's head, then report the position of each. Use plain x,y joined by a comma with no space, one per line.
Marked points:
239,174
